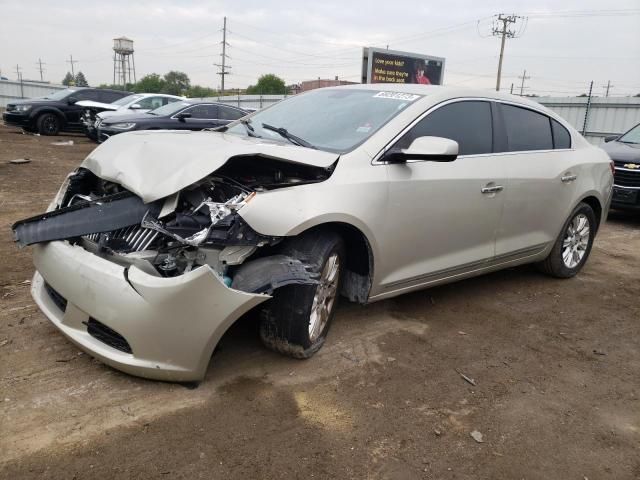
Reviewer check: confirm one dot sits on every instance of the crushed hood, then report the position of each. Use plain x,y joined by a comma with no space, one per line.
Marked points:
154,165
91,103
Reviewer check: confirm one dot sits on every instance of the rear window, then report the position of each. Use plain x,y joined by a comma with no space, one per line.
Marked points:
526,129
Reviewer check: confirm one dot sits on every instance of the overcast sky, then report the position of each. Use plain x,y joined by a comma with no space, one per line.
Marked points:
564,46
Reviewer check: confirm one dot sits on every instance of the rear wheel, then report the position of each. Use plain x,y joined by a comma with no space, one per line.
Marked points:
573,245
48,124
297,319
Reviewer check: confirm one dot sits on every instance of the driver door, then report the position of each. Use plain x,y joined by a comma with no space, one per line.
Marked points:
443,217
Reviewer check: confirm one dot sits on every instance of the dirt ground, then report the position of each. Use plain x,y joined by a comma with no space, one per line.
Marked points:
556,365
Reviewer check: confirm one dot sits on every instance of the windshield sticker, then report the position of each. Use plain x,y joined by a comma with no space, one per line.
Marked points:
366,128
397,96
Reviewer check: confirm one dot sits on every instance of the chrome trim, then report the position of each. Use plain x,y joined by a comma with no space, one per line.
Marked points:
624,187
632,170
492,189
568,178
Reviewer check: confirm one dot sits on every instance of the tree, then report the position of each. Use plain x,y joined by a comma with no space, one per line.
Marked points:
81,81
268,84
68,80
176,83
200,92
152,83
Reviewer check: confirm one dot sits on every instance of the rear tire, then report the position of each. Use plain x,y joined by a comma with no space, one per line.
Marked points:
573,245
48,124
297,319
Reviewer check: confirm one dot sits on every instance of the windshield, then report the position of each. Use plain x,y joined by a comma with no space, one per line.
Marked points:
60,94
170,108
126,100
632,136
336,120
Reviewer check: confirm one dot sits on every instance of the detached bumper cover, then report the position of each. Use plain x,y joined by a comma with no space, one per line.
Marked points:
172,324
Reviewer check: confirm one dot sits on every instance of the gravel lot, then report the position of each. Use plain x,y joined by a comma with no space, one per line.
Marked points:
556,365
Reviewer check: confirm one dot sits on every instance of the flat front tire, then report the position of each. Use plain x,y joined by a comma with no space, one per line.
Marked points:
573,246
297,319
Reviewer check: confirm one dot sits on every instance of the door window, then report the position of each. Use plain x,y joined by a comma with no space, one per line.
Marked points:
149,103
203,112
468,123
526,129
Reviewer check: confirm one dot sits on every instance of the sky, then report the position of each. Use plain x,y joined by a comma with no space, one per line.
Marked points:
563,46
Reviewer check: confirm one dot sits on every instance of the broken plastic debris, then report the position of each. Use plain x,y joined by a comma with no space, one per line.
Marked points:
68,142
19,161
477,436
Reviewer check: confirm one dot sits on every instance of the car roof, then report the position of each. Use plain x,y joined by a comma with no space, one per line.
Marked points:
440,92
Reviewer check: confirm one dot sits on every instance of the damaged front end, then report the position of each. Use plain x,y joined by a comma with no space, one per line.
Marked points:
197,226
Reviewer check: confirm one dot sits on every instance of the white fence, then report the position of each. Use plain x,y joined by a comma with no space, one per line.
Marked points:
606,115
11,91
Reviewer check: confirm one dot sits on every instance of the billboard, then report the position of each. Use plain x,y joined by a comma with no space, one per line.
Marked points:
380,65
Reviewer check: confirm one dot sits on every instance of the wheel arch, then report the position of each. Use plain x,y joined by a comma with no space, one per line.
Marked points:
358,277
41,111
596,206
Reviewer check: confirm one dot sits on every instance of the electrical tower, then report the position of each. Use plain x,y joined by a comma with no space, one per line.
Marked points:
124,64
223,64
523,77
501,29
39,63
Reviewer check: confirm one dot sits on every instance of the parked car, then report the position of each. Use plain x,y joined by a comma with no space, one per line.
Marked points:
161,240
56,112
185,115
136,103
624,150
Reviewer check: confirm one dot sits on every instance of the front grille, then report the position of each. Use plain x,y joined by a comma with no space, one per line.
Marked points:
129,239
106,335
56,298
626,178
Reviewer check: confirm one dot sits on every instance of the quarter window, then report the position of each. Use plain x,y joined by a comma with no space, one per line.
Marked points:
526,129
227,113
467,122
561,137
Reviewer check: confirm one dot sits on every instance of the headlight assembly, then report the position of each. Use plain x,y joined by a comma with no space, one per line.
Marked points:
123,126
23,108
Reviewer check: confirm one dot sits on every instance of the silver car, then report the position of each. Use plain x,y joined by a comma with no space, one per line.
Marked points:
161,240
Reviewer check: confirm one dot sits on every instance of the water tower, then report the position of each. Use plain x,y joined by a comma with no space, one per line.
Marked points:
123,62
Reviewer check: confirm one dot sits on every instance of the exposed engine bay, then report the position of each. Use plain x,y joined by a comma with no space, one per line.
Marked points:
196,226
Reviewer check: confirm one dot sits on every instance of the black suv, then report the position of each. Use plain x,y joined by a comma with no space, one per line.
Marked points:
624,150
57,111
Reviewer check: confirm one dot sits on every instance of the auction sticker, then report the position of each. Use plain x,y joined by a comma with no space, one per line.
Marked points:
397,96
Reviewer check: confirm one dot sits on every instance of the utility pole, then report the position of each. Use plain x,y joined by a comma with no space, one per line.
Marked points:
72,61
607,87
223,65
523,77
41,69
504,32
511,91
19,75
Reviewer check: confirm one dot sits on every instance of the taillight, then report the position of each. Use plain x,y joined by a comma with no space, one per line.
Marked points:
613,167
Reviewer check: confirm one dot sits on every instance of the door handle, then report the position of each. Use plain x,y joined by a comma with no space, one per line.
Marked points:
568,178
492,189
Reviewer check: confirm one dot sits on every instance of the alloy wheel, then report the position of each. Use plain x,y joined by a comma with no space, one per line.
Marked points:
325,296
576,241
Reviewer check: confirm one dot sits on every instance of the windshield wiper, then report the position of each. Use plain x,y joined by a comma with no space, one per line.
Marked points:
289,136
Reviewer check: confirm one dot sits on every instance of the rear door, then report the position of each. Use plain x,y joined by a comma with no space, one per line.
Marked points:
541,174
443,216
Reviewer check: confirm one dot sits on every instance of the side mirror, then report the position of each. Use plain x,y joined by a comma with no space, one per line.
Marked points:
183,115
434,149
135,106
611,138
72,100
